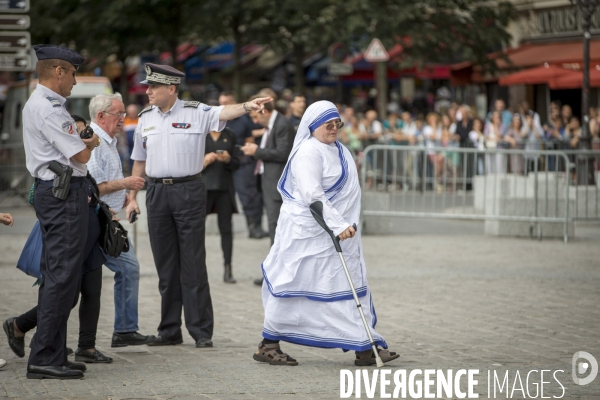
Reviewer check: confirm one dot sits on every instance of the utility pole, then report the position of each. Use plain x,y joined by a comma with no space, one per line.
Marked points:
585,163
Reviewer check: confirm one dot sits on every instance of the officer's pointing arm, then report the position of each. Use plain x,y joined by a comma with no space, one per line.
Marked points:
236,110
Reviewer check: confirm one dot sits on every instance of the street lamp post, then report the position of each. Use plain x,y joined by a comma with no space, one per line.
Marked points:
585,167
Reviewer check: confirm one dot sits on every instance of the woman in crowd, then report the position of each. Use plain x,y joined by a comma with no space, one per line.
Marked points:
220,161
533,141
350,136
476,138
495,163
306,296
432,133
514,137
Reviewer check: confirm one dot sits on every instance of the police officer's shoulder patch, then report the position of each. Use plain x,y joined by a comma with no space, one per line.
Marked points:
145,110
53,101
194,104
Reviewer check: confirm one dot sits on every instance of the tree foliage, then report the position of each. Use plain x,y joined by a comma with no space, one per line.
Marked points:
428,30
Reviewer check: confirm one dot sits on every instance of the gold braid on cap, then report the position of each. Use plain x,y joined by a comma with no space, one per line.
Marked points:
156,77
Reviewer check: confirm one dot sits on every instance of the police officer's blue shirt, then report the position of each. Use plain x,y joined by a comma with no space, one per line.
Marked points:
50,134
105,165
172,143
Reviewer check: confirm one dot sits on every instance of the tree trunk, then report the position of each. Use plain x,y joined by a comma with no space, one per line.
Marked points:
299,76
173,50
124,85
237,61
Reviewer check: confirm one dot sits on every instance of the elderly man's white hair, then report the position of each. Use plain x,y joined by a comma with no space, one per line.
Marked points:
102,102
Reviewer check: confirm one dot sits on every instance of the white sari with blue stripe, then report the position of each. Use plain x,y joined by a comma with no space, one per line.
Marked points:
306,295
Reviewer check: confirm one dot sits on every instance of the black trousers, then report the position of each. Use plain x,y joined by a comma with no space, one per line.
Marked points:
250,196
89,310
221,200
176,216
273,202
64,235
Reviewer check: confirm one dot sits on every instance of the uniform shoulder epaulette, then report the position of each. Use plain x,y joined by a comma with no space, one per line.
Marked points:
145,110
194,104
53,101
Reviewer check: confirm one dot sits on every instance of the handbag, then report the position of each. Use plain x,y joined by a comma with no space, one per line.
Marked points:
31,256
113,237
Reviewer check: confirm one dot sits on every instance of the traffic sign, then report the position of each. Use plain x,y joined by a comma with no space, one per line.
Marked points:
14,21
15,62
340,69
376,52
11,41
14,6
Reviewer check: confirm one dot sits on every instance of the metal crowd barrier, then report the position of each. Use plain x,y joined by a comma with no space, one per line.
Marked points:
535,187
15,180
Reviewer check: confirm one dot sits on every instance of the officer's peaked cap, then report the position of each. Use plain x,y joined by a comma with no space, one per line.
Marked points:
162,74
51,51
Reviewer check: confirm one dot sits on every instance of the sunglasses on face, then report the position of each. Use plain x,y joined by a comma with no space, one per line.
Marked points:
338,124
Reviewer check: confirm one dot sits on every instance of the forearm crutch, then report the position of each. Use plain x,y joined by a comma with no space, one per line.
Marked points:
316,209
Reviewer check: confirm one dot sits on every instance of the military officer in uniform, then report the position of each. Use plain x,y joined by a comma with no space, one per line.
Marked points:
50,134
169,149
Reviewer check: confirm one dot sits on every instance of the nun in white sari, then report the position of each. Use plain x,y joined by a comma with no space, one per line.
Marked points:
306,295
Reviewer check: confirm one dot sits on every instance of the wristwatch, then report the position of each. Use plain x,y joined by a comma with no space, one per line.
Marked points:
99,142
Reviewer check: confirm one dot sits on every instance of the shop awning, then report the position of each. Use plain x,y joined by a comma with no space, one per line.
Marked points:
527,55
575,80
535,76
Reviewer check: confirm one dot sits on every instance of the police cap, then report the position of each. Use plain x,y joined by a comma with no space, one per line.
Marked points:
162,74
51,51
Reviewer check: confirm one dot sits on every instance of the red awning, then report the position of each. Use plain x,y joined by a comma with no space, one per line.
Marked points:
528,55
575,80
535,76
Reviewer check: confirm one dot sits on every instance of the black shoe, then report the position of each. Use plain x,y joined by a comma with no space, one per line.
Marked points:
69,351
73,365
17,344
52,372
130,339
93,358
255,231
228,276
204,342
258,281
161,341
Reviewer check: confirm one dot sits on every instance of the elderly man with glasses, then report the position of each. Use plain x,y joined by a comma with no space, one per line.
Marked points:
108,115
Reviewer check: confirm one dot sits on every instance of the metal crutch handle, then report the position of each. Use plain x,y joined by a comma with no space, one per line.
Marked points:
316,209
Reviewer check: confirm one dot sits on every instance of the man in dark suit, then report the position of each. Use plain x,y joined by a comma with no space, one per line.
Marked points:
272,154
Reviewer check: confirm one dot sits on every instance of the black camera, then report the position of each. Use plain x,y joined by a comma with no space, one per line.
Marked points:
87,133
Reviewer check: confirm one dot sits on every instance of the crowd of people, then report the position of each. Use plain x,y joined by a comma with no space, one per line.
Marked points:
456,127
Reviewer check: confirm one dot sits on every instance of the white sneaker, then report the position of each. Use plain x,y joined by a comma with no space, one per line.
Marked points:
2,363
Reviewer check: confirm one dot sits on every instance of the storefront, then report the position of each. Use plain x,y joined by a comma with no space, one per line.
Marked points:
544,62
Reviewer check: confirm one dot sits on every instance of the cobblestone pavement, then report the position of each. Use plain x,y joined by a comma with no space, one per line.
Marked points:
444,301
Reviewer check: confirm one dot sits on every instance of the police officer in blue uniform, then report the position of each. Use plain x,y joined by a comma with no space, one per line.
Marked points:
169,149
50,134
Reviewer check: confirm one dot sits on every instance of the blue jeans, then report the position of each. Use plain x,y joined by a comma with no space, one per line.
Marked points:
127,283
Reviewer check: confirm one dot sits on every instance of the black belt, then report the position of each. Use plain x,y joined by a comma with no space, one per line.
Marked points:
171,181
76,181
